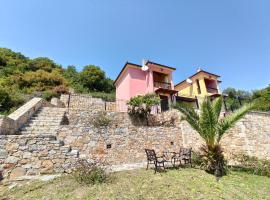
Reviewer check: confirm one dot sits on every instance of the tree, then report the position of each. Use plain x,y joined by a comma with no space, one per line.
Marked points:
71,74
236,98
43,63
211,127
92,77
261,99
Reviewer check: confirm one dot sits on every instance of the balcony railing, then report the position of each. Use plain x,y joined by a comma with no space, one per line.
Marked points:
163,85
212,90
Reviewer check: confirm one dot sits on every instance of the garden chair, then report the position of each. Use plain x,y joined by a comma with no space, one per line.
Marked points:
183,155
158,162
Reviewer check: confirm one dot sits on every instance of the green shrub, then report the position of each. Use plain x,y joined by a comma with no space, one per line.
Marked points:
48,95
9,101
197,159
139,107
5,100
252,164
101,120
103,95
90,173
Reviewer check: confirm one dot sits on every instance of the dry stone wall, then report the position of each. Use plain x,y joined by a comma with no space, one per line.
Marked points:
121,142
82,101
250,136
33,155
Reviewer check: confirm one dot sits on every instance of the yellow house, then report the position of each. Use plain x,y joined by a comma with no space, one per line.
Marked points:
198,86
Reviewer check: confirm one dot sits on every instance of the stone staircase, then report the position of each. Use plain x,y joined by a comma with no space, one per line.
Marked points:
44,122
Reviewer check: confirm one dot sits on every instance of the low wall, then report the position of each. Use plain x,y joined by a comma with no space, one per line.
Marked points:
250,136
82,101
34,154
11,123
6,125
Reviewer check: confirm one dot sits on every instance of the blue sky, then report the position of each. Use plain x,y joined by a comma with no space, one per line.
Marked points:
227,37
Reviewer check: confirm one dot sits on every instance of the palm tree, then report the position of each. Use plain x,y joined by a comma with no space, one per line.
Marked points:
211,126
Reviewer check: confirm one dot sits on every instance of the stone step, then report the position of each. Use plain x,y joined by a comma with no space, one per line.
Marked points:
52,108
34,128
48,115
49,120
40,126
37,132
43,123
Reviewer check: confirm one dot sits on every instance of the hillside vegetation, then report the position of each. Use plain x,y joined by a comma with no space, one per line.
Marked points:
22,78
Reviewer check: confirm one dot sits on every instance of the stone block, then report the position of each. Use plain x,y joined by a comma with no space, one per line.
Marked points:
11,160
17,172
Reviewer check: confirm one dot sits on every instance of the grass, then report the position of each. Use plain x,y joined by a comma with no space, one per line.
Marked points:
142,184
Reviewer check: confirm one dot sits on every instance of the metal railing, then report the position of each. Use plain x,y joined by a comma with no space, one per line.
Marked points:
164,85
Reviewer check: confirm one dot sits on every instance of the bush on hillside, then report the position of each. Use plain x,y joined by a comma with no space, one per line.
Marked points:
261,99
101,120
5,100
90,172
9,101
252,164
40,81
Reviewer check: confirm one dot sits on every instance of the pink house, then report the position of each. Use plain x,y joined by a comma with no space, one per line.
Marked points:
136,80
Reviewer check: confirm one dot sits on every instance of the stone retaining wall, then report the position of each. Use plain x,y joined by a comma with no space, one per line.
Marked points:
34,154
11,123
121,142
82,101
250,136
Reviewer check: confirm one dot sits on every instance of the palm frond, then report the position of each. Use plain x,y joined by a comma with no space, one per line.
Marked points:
231,120
190,115
217,105
208,121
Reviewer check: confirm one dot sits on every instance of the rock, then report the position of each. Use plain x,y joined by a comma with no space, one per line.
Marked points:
17,172
73,153
49,177
22,142
31,142
27,166
43,153
23,161
11,160
3,153
47,167
12,147
36,164
27,155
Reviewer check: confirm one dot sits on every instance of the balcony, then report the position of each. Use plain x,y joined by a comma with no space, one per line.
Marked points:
163,85
212,90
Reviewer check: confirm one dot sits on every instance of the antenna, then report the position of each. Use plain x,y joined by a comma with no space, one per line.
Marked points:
144,66
189,81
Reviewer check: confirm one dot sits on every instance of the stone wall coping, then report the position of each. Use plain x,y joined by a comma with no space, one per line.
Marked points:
25,108
260,113
12,123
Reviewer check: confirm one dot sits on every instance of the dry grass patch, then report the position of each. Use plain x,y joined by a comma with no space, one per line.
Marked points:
142,184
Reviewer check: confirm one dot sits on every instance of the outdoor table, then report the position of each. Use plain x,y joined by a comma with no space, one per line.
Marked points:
169,157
